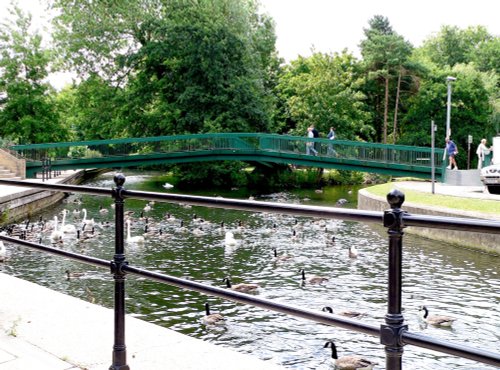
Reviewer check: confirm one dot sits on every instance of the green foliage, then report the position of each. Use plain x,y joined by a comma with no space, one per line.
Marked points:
204,175
27,108
323,90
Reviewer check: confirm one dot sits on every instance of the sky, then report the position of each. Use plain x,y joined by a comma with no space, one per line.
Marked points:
331,25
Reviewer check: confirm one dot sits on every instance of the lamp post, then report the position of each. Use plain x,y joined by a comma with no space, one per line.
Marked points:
449,79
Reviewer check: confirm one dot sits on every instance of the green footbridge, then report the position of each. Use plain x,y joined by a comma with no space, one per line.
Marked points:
396,160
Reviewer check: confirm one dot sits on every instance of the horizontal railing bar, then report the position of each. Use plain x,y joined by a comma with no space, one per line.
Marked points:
58,252
318,316
416,339
59,187
258,206
451,223
475,354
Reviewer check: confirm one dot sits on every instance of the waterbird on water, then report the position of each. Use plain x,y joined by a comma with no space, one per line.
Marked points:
212,318
312,279
3,252
350,362
345,313
242,287
437,320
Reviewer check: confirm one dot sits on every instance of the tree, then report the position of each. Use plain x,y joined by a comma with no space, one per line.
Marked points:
324,90
187,66
27,109
384,53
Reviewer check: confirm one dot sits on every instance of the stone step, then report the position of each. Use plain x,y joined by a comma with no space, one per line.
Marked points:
7,175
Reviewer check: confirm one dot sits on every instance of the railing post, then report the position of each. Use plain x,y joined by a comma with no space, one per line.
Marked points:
119,347
391,332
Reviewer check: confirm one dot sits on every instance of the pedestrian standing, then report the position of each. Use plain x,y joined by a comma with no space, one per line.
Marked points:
482,151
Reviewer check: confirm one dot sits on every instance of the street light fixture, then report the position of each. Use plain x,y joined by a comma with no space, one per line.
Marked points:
449,80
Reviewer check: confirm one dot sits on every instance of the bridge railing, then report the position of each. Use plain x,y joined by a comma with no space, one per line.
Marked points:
393,333
341,149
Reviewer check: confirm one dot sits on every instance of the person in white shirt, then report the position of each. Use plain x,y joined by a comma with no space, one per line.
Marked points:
482,151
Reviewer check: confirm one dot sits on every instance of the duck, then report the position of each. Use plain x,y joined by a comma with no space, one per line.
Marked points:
351,362
313,279
73,275
3,252
353,252
342,313
167,185
243,287
436,320
229,239
212,318
137,240
57,235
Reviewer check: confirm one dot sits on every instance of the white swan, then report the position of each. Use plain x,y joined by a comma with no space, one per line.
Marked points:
168,186
353,252
69,229
3,252
139,239
85,221
229,239
56,235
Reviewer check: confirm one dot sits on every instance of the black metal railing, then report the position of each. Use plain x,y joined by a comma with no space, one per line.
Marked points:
393,333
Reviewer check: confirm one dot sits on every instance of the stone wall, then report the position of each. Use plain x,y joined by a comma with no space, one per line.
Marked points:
15,165
484,242
27,203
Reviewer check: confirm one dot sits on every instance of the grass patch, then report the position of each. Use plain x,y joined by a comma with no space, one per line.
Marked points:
438,200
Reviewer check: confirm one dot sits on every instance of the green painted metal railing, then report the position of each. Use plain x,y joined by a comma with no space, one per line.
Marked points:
399,160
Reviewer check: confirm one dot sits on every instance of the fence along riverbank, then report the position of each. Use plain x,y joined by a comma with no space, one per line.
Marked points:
393,333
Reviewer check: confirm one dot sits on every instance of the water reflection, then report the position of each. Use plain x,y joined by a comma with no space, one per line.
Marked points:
452,281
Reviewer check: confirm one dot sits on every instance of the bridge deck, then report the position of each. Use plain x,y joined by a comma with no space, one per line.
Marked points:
397,160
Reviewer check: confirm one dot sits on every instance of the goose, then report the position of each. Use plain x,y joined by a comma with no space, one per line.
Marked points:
76,213
3,252
312,279
169,218
85,221
229,239
139,239
67,228
56,236
353,252
103,211
243,287
331,242
283,257
181,228
168,186
73,275
212,318
198,232
342,313
351,362
437,320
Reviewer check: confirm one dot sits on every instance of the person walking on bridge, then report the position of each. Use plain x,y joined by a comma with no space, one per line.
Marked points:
310,144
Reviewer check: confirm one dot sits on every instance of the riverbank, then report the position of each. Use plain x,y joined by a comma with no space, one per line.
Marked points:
371,200
18,203
46,330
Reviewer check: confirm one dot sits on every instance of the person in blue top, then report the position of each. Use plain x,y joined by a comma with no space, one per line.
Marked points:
452,151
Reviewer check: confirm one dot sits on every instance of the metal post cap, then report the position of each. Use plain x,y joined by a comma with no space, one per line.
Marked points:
395,198
119,179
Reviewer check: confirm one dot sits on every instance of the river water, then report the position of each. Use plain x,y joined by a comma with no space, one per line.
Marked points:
448,280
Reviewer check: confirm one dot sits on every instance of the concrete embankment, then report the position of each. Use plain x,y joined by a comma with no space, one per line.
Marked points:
484,242
46,330
20,203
